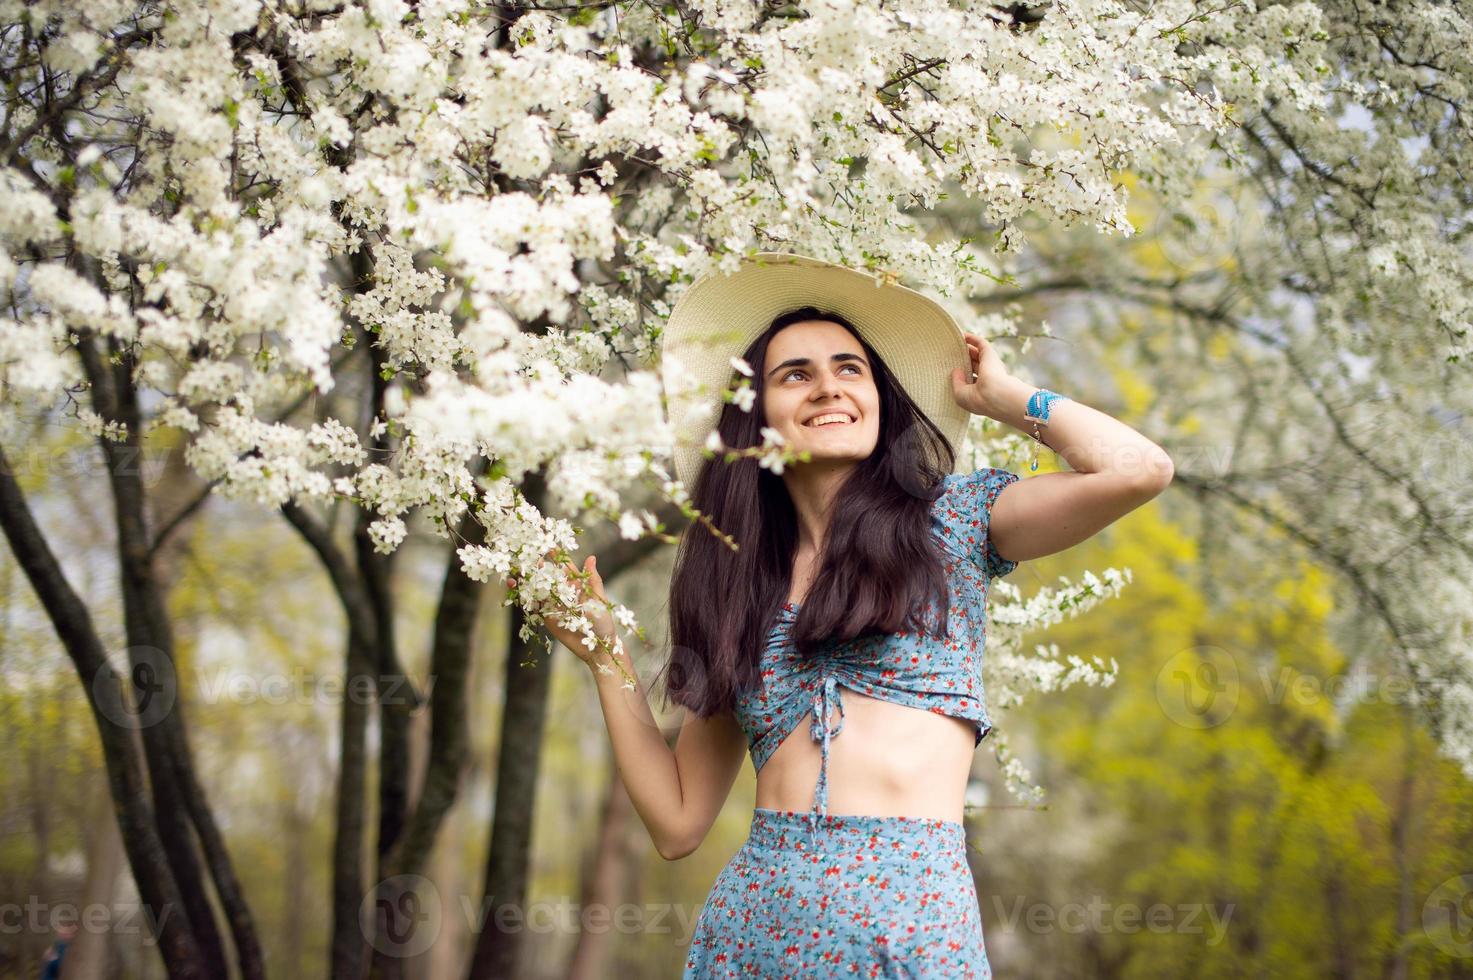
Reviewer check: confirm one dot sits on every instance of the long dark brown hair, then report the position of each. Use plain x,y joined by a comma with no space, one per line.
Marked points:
879,566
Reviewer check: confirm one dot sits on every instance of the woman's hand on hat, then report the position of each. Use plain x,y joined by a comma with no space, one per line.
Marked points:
591,586
989,376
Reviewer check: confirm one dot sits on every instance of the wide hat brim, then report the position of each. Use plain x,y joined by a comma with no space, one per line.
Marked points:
721,314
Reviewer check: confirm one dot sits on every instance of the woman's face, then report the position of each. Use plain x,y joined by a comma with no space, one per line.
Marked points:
813,369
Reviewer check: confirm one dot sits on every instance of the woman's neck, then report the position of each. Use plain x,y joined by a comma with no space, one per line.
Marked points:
812,489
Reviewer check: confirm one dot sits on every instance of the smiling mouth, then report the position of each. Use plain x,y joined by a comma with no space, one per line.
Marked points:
832,419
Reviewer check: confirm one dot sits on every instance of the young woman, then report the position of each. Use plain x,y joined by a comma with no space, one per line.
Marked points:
854,604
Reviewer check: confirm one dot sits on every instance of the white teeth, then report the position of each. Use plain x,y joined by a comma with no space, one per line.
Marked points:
827,419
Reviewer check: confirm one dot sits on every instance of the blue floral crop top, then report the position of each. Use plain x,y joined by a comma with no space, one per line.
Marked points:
914,669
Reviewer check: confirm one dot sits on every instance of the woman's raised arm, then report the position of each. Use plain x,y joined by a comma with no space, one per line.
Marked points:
1116,469
679,792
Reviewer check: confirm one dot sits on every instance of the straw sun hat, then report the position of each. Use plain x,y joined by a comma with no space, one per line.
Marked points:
720,315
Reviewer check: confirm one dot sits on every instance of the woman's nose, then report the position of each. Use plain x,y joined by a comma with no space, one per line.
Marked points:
828,384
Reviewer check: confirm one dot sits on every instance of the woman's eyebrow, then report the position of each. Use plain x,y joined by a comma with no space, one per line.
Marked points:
806,362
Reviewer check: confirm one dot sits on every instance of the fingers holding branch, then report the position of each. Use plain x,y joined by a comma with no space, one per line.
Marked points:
590,592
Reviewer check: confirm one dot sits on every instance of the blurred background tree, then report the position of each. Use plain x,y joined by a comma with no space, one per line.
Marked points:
303,348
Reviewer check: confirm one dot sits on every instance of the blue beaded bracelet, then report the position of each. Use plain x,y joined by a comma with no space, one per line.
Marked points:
1037,412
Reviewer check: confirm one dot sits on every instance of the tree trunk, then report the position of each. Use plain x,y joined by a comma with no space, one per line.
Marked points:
455,621
519,757
528,673
446,758
607,882
1401,836
349,941
180,807
397,697
115,716
32,944
294,896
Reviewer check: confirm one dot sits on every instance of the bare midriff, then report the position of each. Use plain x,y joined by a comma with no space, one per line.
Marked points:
892,760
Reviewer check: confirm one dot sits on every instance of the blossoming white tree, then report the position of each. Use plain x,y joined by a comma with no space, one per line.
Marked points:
208,208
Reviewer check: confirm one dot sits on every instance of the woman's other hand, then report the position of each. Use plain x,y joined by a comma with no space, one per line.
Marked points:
591,586
990,379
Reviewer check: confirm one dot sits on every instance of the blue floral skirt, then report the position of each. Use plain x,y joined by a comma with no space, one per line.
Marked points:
852,896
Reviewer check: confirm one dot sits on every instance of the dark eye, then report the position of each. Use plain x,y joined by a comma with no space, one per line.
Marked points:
852,367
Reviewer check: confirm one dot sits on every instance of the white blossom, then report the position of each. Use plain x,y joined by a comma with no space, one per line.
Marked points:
514,223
